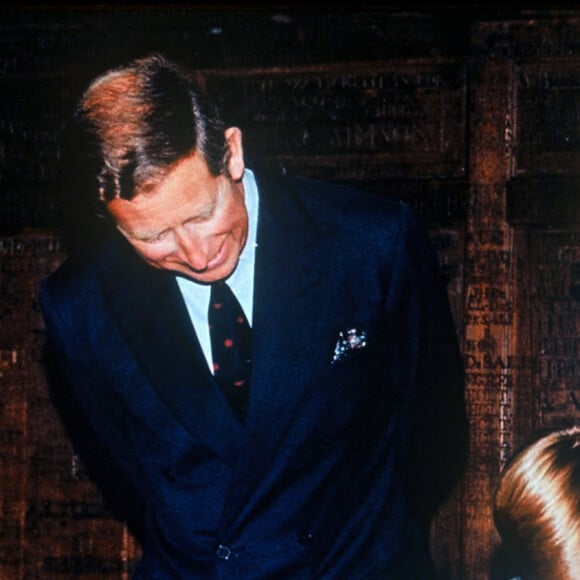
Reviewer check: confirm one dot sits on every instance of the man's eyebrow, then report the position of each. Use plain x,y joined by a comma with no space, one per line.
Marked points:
141,235
202,213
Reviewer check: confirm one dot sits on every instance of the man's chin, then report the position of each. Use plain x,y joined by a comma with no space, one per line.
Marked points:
207,277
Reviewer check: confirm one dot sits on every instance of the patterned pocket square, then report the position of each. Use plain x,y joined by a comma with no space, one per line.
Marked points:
348,340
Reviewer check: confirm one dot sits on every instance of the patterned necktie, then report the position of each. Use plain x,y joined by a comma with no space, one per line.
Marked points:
231,346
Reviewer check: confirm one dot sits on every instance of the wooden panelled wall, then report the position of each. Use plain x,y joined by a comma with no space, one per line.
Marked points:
472,117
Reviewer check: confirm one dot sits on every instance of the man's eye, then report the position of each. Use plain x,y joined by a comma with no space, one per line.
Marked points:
155,238
202,217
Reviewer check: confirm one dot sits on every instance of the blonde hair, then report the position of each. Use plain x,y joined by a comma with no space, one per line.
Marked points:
537,507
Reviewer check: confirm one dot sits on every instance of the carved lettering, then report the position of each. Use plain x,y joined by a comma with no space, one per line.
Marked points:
85,565
66,510
385,114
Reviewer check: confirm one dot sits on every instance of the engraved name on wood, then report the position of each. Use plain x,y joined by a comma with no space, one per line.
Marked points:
351,122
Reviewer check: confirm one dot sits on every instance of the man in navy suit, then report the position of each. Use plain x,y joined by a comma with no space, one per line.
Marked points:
354,429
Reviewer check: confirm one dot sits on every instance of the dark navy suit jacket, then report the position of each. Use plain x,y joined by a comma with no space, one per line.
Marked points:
338,466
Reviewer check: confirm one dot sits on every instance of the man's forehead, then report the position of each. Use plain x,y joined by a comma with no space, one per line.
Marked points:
186,192
175,206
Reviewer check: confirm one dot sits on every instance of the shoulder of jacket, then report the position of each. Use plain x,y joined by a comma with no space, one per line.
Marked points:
78,274
348,202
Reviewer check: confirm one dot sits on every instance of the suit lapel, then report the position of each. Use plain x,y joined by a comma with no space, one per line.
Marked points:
288,305
158,330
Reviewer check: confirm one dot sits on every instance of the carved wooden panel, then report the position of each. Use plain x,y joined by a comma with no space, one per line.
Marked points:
52,520
351,122
554,327
548,120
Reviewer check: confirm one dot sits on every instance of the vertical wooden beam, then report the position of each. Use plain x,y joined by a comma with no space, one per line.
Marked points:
490,324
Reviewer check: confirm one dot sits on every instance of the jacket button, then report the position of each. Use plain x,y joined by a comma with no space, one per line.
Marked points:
223,552
305,538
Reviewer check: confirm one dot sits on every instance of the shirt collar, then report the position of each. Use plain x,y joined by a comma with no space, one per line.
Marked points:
241,280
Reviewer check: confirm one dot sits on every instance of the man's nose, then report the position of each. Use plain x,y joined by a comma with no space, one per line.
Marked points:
192,251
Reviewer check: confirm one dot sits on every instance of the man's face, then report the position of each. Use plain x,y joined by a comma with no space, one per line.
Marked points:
192,222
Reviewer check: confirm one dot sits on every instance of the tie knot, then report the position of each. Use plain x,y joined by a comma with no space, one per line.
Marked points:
224,305
221,290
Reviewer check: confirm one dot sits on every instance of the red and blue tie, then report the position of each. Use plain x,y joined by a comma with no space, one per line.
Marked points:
231,346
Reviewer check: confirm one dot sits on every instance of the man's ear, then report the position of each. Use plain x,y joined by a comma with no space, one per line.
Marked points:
235,158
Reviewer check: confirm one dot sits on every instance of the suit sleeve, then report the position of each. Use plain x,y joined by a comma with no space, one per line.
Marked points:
68,381
437,439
